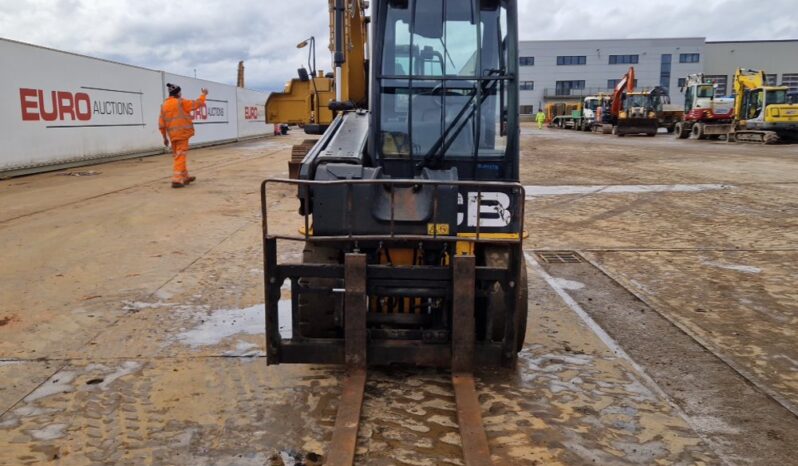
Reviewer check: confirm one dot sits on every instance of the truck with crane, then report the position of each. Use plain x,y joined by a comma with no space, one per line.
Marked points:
411,212
763,113
706,115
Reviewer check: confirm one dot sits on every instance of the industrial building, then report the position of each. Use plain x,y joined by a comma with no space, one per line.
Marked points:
561,70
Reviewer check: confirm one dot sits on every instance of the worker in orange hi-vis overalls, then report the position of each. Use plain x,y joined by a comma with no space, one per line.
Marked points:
175,122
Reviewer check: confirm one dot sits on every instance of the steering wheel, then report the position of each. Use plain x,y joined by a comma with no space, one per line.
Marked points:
437,90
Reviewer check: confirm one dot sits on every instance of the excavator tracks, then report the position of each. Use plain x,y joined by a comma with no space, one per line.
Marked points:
341,451
298,153
757,137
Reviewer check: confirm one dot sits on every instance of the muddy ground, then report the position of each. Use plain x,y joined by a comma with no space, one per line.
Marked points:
131,324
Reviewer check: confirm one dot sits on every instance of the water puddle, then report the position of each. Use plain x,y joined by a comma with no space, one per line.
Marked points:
222,324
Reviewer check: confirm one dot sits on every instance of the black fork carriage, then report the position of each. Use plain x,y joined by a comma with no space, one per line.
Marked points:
431,295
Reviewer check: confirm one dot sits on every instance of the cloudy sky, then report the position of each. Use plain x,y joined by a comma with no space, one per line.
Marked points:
211,36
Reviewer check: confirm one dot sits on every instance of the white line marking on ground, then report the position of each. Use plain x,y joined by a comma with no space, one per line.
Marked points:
735,267
534,191
613,345
557,285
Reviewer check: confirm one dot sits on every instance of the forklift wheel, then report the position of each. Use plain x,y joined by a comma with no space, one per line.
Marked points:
317,312
498,257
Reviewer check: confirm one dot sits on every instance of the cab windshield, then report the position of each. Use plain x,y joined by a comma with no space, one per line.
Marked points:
591,104
705,92
443,80
637,100
776,97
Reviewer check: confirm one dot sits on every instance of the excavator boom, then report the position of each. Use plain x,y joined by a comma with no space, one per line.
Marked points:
625,85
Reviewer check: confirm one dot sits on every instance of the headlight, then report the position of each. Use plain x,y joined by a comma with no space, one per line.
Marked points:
622,115
652,115
709,114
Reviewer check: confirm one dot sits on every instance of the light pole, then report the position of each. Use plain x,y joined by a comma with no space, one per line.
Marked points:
312,66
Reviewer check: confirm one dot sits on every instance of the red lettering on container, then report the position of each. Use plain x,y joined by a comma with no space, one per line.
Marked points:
65,105
200,113
250,113
27,105
45,115
83,98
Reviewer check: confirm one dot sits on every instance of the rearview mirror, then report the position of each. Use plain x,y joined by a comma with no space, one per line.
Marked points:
429,19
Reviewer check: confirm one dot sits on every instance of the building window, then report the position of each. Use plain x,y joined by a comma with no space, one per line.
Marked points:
790,80
527,109
689,58
682,82
527,61
611,83
771,79
572,60
527,85
565,87
624,59
722,82
665,71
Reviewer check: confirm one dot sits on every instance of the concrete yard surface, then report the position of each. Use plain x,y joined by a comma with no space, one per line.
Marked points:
132,317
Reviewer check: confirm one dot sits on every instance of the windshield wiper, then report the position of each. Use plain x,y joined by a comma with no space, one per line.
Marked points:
442,144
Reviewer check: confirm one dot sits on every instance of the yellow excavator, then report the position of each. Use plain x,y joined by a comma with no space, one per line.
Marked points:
762,113
305,100
411,213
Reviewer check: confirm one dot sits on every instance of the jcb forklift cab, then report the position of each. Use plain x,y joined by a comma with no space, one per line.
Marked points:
440,93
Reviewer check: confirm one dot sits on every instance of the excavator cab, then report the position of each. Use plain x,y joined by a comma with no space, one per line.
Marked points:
755,100
763,113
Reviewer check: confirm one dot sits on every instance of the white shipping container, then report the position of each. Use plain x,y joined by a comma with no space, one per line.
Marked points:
252,113
63,108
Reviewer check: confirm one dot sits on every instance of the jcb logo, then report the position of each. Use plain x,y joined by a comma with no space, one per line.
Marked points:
490,209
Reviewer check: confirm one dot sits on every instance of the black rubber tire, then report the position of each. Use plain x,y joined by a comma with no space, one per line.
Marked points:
682,130
498,257
317,312
523,309
698,131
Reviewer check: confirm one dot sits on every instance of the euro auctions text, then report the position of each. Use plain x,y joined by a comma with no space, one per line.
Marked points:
46,105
